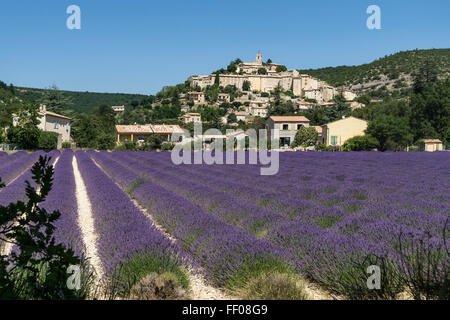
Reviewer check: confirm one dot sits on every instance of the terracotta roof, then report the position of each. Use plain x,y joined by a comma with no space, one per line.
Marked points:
318,129
432,141
289,119
240,113
193,114
166,128
139,128
195,92
56,115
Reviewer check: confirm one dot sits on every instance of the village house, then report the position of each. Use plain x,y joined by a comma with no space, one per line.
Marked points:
118,109
223,97
257,111
287,126
53,122
348,95
191,117
338,132
356,105
139,132
240,115
197,97
432,145
303,105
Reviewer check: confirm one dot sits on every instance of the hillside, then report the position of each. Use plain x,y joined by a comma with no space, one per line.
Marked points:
395,71
83,102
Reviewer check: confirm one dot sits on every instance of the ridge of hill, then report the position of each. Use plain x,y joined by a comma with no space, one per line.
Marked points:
392,73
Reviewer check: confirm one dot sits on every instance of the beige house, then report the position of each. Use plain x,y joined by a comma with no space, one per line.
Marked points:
197,97
287,126
349,95
191,117
338,132
432,145
118,109
223,97
240,115
139,132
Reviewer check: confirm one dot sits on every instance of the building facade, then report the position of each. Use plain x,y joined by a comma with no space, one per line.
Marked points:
287,126
338,132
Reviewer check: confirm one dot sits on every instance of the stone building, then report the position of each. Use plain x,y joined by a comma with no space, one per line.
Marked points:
338,132
287,126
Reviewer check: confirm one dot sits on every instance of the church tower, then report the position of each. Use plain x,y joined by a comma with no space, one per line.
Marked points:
259,58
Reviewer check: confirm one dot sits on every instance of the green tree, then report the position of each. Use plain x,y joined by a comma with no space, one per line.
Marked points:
305,136
55,101
246,85
361,143
262,71
392,132
426,74
281,68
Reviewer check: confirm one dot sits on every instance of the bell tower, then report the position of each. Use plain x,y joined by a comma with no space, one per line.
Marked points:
259,58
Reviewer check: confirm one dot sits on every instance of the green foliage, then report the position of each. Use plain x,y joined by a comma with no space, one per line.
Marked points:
38,269
48,140
305,136
82,102
262,71
246,85
66,145
96,130
281,68
361,143
393,133
26,136
55,100
404,62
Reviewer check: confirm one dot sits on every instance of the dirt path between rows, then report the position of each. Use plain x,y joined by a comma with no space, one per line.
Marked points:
86,222
199,288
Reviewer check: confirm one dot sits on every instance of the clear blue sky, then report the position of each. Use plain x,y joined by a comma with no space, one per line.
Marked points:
139,46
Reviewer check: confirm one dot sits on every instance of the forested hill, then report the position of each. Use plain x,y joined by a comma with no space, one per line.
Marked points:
83,102
395,72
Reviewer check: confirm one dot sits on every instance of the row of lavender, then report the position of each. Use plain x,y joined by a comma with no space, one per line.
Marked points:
62,197
349,216
128,244
221,249
257,221
324,266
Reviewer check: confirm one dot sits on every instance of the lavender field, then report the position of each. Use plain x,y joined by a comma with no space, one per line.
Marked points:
325,218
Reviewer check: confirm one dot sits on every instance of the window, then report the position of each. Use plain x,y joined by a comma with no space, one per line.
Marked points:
299,126
285,127
56,125
334,140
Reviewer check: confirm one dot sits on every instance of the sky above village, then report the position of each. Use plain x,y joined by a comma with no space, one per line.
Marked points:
139,46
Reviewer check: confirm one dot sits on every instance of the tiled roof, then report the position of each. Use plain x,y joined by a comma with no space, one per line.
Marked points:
139,128
56,115
318,129
432,141
289,119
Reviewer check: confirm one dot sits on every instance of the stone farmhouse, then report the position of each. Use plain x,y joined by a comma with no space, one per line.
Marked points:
53,122
301,85
287,126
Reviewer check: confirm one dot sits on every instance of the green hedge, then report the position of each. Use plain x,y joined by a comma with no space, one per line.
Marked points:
48,140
